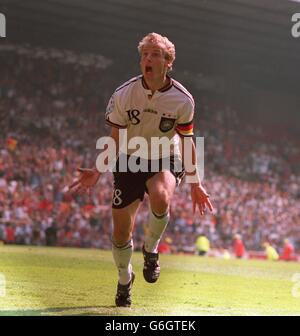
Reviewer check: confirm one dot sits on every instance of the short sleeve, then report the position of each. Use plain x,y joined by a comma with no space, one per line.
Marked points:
113,115
184,125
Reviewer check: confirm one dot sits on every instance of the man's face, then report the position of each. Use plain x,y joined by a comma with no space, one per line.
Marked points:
153,62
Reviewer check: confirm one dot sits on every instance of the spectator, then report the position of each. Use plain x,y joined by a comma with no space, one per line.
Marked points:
288,251
202,245
271,253
239,249
165,246
51,235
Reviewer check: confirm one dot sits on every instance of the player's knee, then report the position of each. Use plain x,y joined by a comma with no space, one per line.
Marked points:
160,201
121,237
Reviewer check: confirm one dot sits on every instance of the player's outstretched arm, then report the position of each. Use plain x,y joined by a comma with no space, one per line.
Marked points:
200,197
87,180
89,176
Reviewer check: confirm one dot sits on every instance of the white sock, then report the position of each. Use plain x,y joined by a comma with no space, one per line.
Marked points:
156,228
122,256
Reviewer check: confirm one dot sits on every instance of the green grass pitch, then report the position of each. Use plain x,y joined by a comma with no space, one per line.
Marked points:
67,281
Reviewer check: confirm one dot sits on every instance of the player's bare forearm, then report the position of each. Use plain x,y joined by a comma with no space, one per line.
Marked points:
189,159
115,134
200,197
90,176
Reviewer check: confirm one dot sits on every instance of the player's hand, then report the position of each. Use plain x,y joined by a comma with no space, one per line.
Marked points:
87,180
200,198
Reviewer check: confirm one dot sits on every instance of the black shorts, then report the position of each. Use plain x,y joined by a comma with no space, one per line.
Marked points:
130,186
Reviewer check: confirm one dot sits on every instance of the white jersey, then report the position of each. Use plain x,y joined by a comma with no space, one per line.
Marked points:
167,112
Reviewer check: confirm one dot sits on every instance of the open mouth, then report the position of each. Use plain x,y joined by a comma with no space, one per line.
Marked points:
148,69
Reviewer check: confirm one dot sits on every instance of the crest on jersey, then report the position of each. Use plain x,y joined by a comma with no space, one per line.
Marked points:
166,124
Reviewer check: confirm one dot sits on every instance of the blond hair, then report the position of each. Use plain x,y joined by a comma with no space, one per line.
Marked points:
163,42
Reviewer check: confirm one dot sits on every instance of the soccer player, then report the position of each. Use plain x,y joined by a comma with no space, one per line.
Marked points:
150,105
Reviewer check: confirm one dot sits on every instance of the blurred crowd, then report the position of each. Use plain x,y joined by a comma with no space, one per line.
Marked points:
52,107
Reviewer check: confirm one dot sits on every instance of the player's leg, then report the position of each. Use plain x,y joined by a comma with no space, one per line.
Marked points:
123,223
160,187
129,191
122,248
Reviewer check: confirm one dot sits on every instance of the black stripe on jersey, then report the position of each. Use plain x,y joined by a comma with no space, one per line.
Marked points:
114,125
180,86
186,124
167,86
184,136
128,82
184,92
145,86
163,89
